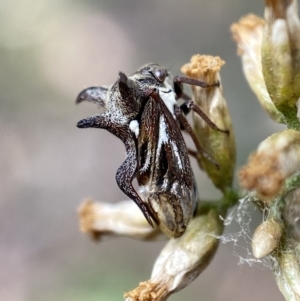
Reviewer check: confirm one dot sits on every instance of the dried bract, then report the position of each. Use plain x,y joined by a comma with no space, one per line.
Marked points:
248,33
281,54
291,214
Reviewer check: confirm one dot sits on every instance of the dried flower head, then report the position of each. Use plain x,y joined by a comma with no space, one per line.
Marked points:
120,219
276,158
211,101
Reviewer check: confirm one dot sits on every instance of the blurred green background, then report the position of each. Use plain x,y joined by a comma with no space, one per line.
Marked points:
49,51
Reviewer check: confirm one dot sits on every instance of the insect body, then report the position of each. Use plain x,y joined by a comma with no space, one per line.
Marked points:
141,110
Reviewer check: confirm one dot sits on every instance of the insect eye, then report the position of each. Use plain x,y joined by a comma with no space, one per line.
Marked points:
160,74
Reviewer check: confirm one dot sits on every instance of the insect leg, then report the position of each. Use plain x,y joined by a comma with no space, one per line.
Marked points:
190,105
178,89
192,153
184,123
178,82
125,174
96,95
194,82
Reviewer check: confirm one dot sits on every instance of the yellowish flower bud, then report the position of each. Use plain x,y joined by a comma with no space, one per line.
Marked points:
248,33
182,259
281,54
266,238
276,158
220,145
120,219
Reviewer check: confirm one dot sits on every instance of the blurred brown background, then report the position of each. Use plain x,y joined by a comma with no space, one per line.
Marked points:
49,51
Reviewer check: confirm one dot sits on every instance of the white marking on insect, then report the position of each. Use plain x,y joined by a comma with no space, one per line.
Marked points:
174,187
168,96
162,136
176,152
143,189
165,184
147,162
134,127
